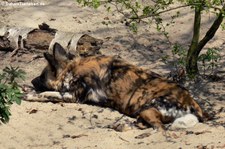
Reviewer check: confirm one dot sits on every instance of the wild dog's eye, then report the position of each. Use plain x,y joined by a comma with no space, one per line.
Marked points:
93,43
193,110
53,71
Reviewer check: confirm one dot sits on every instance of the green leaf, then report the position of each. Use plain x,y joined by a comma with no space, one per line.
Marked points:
133,27
147,10
17,100
9,90
95,3
108,9
4,114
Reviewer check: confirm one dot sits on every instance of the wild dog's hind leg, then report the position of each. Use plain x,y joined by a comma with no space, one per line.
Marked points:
153,117
198,109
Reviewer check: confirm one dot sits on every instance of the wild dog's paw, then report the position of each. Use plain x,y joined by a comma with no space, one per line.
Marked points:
120,127
140,125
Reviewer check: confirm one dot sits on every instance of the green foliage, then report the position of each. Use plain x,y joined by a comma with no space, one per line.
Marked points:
150,13
91,3
210,59
179,54
137,11
9,90
133,27
223,26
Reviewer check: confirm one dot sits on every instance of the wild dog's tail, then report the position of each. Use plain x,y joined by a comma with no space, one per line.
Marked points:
188,100
184,98
197,108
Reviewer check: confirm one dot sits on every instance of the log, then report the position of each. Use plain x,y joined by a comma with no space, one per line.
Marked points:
38,39
43,38
5,43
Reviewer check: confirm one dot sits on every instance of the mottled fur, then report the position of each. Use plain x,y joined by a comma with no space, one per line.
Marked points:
112,82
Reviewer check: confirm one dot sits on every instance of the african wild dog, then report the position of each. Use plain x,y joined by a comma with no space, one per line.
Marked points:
110,81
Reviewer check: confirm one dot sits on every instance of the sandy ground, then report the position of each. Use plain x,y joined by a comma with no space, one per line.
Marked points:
78,126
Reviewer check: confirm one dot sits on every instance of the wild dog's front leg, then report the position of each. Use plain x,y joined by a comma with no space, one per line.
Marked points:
49,96
153,117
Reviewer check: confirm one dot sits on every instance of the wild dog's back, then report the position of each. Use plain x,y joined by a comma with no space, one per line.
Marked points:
132,90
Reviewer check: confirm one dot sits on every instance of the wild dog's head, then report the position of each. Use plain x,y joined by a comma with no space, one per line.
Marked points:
59,75
56,63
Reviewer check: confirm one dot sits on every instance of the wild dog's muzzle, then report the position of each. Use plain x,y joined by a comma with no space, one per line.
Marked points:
39,86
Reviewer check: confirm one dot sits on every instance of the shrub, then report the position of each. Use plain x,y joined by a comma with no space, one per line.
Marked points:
9,90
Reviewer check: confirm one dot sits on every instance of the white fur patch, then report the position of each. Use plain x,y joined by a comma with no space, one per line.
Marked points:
173,112
169,109
66,82
96,95
186,121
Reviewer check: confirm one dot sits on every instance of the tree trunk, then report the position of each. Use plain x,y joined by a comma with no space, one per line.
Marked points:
192,57
196,47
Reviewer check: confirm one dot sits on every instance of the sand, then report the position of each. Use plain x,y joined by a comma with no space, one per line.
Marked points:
78,126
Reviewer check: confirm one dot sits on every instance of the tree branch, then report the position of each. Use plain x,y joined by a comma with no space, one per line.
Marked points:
156,14
211,32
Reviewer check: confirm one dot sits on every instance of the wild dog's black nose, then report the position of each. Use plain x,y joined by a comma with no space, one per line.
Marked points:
35,83
38,85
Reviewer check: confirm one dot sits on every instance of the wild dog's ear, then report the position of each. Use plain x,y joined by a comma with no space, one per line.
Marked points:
51,61
59,53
